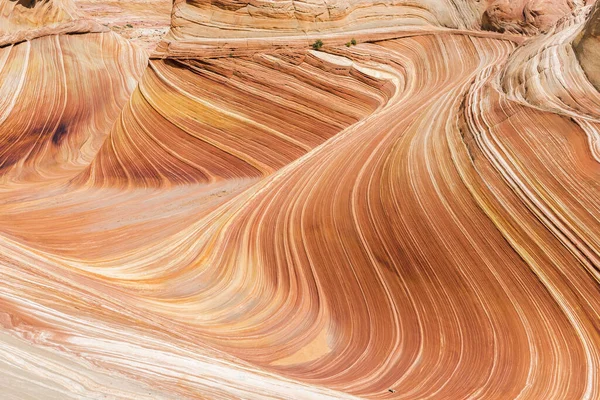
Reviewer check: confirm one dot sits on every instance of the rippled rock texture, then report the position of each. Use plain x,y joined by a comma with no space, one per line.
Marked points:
587,47
143,22
408,212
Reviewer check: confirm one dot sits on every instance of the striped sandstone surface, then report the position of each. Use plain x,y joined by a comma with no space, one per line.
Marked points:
234,215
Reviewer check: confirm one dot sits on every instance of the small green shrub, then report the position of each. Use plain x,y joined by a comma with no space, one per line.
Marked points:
317,44
353,42
129,26
348,44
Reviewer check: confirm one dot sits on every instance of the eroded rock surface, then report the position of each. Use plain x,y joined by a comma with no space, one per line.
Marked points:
526,16
409,211
143,22
587,47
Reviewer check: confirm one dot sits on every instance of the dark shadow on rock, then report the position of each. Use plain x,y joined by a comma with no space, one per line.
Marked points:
28,3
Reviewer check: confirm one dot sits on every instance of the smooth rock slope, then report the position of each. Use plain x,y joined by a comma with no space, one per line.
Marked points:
241,216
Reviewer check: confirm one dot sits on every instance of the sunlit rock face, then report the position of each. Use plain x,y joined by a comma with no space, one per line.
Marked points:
28,14
22,20
290,102
526,16
587,47
243,19
300,200
59,94
143,22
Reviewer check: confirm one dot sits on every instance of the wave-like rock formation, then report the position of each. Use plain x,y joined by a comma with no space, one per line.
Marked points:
243,19
143,22
29,14
57,106
22,20
587,47
410,216
526,16
288,102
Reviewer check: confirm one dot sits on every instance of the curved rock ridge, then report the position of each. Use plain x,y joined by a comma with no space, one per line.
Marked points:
22,20
412,216
289,102
544,72
30,14
57,106
527,16
143,22
199,19
197,27
587,47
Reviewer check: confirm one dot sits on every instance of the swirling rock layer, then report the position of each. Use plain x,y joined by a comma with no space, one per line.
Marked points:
56,105
410,217
143,22
244,19
587,47
285,102
526,16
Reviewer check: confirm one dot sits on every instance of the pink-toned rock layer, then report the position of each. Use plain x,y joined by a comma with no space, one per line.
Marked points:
143,22
408,211
587,47
526,16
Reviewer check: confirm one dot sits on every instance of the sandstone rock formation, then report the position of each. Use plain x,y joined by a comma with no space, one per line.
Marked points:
22,20
243,19
525,16
240,216
31,14
144,22
587,47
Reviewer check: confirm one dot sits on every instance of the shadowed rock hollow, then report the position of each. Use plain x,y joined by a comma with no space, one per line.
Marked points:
587,47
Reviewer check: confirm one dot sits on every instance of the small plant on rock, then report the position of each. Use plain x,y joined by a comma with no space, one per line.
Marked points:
317,44
353,42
